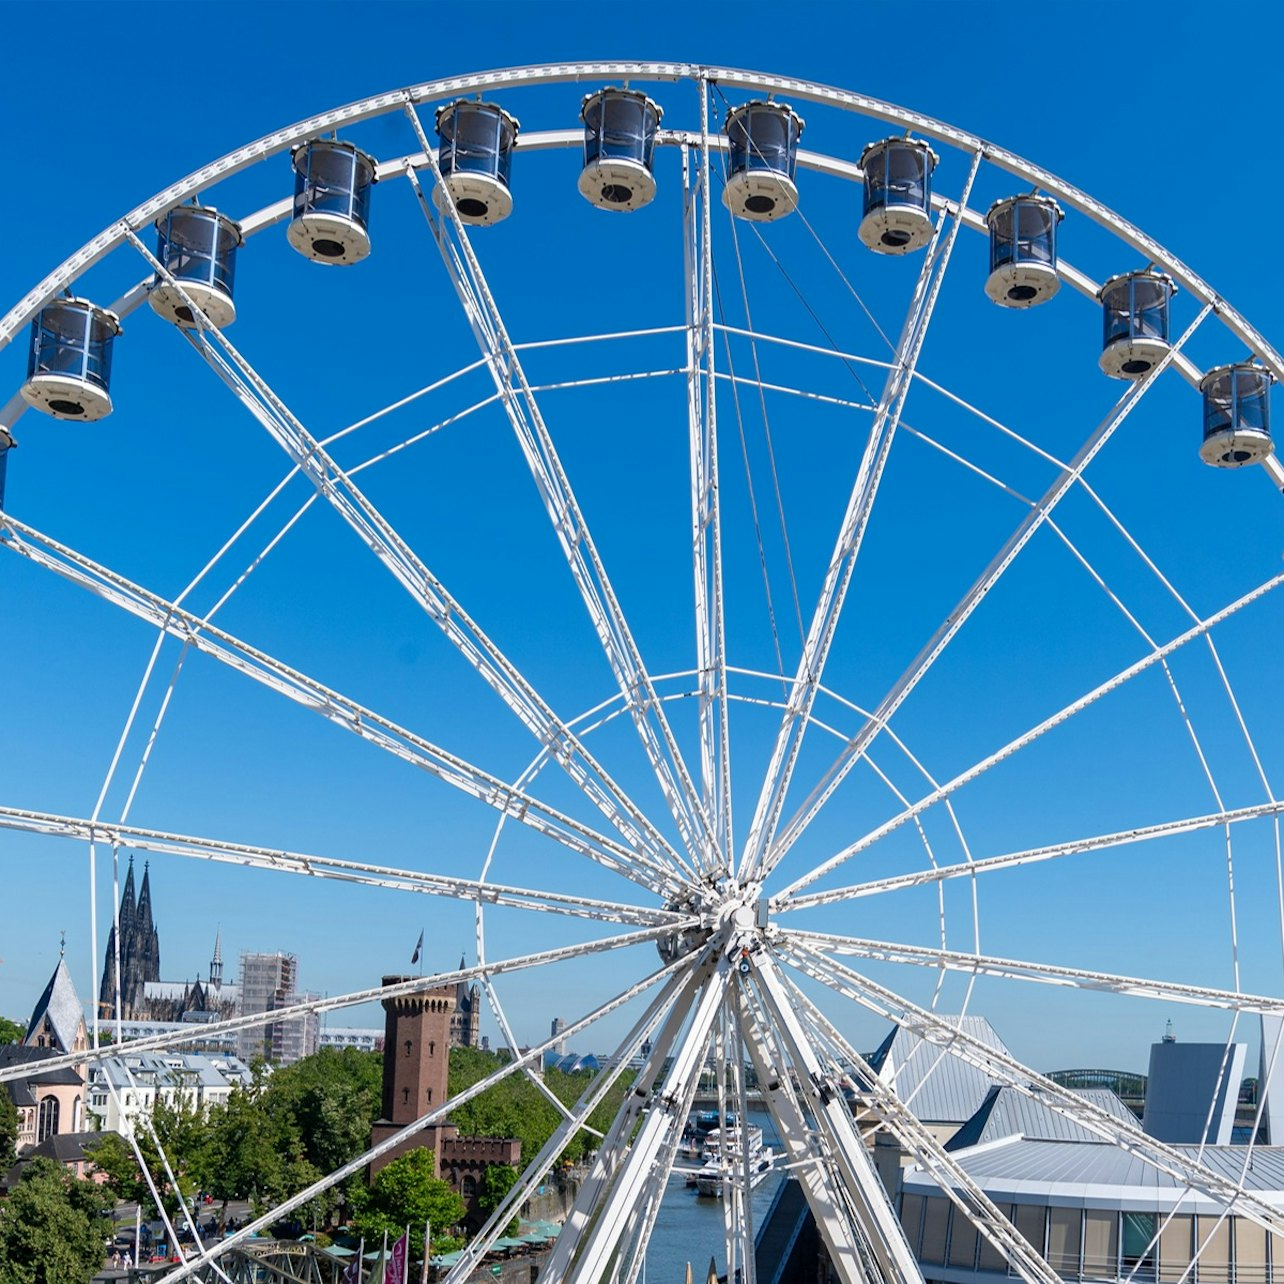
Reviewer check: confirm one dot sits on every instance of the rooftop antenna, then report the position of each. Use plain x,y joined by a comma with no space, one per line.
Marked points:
1169,1036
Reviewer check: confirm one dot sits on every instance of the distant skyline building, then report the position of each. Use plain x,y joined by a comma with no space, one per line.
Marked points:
555,1030
189,1001
465,1020
133,945
269,982
363,1038
1192,1091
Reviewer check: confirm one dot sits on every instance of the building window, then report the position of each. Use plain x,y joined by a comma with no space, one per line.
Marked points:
1100,1243
408,1047
432,1047
963,1239
1213,1240
1029,1219
47,1118
1250,1252
936,1221
405,1096
468,1187
1174,1249
990,1258
429,1094
1065,1230
912,1218
1139,1242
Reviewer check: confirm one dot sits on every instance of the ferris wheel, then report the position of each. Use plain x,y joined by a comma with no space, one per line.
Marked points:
808,604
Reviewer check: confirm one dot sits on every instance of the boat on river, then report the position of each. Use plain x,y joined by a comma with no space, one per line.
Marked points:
724,1160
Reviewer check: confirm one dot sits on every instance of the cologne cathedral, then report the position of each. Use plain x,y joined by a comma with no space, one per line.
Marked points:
139,952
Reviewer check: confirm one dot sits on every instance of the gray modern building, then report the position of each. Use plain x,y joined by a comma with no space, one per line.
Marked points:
269,982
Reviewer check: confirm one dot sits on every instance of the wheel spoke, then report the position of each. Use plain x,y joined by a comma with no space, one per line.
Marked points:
328,867
1006,1070
335,1003
1044,973
706,508
1155,656
499,673
570,526
760,856
1031,855
959,616
346,713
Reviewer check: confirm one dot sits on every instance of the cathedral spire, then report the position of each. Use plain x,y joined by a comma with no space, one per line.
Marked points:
145,899
125,917
216,963
127,902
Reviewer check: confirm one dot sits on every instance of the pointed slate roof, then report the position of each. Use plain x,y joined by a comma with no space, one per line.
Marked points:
1007,1113
60,1005
938,1088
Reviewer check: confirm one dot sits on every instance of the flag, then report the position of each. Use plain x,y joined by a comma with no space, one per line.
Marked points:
378,1275
419,944
395,1271
353,1274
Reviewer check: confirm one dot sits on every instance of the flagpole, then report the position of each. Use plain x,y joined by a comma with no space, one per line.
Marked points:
383,1260
361,1258
405,1258
423,1274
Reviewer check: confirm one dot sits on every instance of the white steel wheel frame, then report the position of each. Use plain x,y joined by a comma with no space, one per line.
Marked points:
736,983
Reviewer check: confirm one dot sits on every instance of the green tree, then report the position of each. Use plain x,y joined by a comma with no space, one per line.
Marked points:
52,1228
496,1182
181,1129
515,1107
247,1154
8,1129
332,1097
405,1193
11,1031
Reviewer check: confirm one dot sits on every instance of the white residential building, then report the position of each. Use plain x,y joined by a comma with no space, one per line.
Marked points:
364,1039
130,1085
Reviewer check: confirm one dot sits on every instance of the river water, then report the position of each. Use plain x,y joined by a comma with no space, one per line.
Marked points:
689,1229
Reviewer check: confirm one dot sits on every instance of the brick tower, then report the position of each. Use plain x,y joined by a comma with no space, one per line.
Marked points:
416,1066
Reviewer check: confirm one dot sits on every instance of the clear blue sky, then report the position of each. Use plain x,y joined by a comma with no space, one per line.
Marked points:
1172,124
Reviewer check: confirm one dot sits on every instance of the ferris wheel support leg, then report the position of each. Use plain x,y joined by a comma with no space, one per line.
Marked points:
870,1248
882,1102
591,1234
642,1221
536,1170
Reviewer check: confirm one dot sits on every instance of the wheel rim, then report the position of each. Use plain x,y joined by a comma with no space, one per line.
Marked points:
682,833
